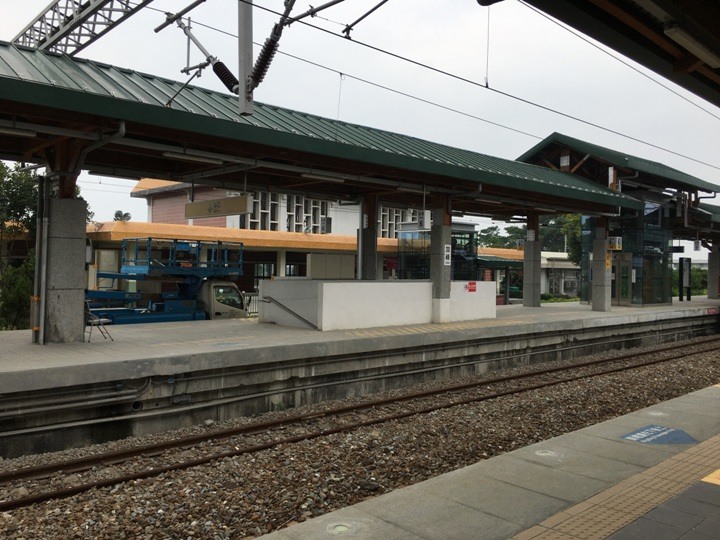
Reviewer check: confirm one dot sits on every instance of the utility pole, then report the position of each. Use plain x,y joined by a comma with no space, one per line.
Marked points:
245,56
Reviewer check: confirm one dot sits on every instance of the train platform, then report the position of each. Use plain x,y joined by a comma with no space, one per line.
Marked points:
146,350
164,376
654,473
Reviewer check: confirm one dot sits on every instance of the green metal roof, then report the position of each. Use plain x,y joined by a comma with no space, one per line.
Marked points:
494,262
622,159
40,78
712,211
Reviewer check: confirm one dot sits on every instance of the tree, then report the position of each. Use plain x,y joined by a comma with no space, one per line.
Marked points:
18,199
552,237
490,237
515,236
16,288
572,229
555,233
122,216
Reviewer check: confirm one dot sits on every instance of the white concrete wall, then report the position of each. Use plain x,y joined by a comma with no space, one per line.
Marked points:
345,219
301,295
330,266
367,304
466,305
338,305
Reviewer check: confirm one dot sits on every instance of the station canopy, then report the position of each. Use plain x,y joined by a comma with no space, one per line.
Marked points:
642,179
133,125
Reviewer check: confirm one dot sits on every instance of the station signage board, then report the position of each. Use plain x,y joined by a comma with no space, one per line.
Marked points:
228,206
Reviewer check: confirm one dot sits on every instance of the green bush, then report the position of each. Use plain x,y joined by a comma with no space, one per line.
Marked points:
16,287
545,297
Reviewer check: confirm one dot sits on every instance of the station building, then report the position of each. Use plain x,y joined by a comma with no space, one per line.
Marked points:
129,131
640,242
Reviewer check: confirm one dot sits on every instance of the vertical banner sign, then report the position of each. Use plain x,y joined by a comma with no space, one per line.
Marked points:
608,260
448,254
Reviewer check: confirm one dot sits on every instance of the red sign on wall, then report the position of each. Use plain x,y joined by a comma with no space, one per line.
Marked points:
471,286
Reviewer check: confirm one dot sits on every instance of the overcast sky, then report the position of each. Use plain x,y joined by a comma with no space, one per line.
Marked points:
529,57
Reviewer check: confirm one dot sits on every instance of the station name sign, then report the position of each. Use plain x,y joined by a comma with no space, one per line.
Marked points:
659,435
228,206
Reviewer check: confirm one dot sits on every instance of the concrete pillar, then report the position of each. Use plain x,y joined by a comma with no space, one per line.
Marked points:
532,260
281,263
64,301
369,249
441,264
713,272
601,271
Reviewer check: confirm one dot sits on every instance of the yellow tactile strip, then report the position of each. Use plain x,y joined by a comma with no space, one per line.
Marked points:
600,516
713,478
444,327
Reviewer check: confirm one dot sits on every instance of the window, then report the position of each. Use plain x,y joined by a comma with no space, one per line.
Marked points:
304,214
228,296
262,271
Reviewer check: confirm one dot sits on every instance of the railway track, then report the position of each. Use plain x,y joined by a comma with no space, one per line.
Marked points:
259,436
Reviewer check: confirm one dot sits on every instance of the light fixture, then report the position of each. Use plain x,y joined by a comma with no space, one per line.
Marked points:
485,200
421,191
323,177
18,132
681,36
193,157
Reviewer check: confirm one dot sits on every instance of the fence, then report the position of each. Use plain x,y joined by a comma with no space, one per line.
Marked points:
253,301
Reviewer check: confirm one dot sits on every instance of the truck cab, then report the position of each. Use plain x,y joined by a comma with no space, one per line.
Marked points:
221,300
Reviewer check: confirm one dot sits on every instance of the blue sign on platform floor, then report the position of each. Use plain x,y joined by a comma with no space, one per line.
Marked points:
659,435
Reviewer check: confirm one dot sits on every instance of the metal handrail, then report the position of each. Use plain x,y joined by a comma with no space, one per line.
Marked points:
269,299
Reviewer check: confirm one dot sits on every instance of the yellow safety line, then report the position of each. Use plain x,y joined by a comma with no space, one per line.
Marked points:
713,478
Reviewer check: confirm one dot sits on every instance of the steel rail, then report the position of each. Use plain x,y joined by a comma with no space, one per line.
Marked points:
72,466
156,448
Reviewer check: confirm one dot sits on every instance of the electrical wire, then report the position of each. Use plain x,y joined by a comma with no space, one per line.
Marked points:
461,79
494,90
103,183
103,190
378,85
618,58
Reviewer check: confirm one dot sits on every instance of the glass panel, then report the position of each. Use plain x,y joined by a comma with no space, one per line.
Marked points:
228,296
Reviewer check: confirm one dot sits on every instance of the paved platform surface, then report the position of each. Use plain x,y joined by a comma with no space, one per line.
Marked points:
652,474
142,350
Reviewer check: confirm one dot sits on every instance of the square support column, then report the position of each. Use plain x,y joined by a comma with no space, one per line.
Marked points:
369,254
532,261
368,243
64,302
280,263
713,277
601,272
441,265
532,274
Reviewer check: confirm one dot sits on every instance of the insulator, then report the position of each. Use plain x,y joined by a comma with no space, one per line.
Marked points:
227,78
263,62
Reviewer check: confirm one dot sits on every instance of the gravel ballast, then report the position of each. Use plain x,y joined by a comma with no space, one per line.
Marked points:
254,494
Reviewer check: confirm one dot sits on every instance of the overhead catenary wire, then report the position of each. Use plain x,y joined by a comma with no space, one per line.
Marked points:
619,59
459,78
497,91
378,85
